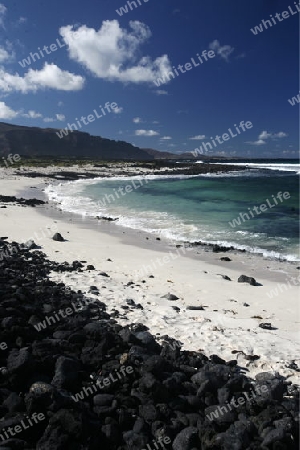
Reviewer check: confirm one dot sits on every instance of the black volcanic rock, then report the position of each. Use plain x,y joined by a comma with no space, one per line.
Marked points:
266,326
170,297
246,279
75,371
20,201
58,237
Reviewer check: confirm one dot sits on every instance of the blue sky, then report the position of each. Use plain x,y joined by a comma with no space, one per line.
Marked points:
108,57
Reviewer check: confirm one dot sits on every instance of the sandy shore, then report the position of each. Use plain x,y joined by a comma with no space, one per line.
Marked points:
228,324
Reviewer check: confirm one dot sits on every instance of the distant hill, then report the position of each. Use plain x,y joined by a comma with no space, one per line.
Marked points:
43,142
167,155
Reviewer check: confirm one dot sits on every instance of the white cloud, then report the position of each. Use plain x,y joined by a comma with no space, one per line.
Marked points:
117,110
165,138
264,135
21,20
161,92
224,51
146,133
258,142
137,120
58,117
281,134
51,76
113,53
60,104
6,52
32,115
199,137
6,112
3,10
289,152
4,55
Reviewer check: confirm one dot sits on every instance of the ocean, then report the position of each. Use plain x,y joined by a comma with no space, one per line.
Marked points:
214,208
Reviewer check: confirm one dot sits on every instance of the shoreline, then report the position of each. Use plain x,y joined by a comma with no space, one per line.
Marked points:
147,240
214,245
223,326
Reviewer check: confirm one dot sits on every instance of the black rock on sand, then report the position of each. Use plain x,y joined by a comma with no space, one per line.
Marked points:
71,378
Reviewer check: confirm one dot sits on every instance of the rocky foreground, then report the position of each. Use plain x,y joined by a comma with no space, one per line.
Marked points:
72,378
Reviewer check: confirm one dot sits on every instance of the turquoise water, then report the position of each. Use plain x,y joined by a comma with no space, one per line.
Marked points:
199,208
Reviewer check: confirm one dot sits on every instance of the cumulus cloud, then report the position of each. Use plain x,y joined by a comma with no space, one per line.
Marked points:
32,115
161,92
137,120
7,52
265,135
117,110
224,51
146,133
51,76
6,112
281,134
165,138
58,117
3,10
21,20
199,137
258,142
112,53
4,55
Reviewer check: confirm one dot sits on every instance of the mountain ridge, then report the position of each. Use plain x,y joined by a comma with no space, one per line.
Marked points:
44,142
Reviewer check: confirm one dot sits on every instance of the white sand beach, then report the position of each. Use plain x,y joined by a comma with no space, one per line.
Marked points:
227,326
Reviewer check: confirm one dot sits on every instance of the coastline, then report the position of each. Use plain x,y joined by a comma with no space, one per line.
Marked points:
224,325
